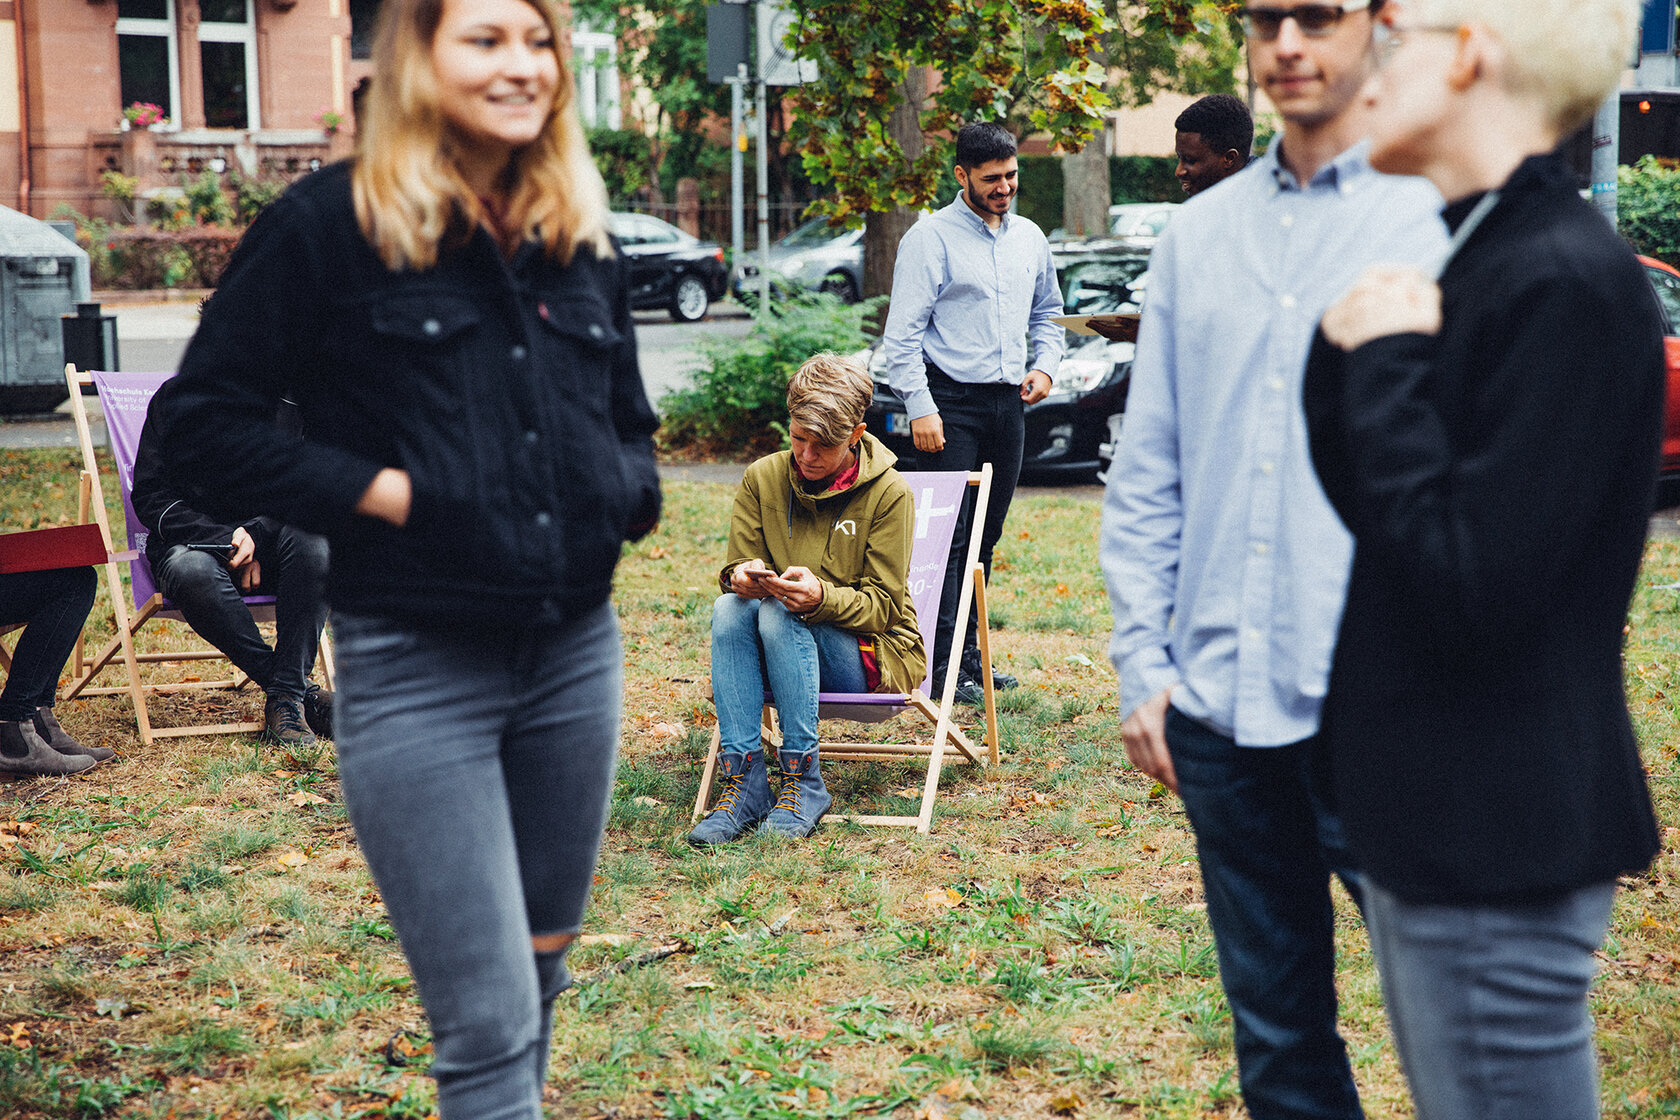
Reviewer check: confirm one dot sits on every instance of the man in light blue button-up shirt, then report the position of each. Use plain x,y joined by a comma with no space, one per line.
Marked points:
973,286
1225,563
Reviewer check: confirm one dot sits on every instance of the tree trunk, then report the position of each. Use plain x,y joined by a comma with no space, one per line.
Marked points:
1085,189
882,231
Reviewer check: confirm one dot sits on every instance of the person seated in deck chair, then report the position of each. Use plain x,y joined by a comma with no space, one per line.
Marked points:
204,565
816,597
53,604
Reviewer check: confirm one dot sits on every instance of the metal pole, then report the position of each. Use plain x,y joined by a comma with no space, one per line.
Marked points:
1606,146
763,197
737,140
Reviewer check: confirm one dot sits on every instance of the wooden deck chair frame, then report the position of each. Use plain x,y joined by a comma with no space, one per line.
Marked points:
949,743
85,666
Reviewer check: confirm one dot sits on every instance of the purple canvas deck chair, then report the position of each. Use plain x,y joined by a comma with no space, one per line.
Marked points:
937,496
124,397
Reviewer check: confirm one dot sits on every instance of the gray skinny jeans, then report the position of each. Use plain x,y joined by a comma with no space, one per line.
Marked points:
477,767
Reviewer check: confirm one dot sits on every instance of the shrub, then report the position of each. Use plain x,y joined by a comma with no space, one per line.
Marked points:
623,155
250,195
1648,208
206,202
144,258
738,403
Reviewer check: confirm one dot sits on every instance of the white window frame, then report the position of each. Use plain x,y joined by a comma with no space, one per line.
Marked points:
163,29
595,69
246,35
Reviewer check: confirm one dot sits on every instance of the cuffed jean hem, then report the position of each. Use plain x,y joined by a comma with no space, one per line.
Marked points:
1489,1002
477,767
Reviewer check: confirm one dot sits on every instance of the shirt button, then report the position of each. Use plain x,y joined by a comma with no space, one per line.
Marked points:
543,520
597,332
432,327
1276,383
1286,300
517,353
1287,220
1261,548
1267,467
531,437
1254,635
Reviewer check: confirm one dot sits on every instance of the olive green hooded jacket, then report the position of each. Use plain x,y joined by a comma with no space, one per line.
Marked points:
856,541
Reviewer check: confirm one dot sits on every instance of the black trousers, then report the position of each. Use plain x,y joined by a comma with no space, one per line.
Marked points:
53,604
983,423
294,571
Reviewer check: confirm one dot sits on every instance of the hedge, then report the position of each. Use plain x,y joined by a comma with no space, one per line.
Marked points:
1130,179
1648,208
150,258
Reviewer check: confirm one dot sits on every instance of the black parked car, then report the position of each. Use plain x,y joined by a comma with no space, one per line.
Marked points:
670,269
1064,430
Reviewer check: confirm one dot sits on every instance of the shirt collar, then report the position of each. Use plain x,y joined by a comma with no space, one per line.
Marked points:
975,221
1342,174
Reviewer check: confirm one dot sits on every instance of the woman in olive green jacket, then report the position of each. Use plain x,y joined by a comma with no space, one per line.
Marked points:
815,598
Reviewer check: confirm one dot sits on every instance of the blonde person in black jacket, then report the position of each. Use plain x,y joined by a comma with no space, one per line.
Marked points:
1491,442
452,319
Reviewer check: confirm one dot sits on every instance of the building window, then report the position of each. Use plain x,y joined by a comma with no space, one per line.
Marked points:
227,54
363,14
146,54
595,67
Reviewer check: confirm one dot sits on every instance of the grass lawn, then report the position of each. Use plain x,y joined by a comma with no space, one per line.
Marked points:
190,930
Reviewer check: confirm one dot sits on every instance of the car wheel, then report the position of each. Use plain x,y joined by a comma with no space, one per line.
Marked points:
689,301
840,286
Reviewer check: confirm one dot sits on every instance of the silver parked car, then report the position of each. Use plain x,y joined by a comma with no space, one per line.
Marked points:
815,255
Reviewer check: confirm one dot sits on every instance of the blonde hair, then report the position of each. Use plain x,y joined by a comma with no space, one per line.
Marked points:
827,396
1568,53
411,198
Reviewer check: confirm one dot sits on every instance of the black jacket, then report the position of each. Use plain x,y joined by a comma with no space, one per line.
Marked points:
509,391
1497,479
167,507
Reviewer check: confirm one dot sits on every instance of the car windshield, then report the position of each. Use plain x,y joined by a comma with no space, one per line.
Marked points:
1101,284
815,232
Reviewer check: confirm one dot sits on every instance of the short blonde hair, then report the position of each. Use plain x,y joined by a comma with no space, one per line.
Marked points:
1569,53
409,195
828,395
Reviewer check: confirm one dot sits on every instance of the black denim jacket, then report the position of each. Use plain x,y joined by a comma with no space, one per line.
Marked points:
508,389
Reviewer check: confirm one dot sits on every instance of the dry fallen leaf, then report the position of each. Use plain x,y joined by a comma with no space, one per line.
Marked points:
289,860
1066,1102
303,797
647,802
665,730
942,898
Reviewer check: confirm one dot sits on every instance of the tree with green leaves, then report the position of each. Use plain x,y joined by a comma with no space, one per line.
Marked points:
876,134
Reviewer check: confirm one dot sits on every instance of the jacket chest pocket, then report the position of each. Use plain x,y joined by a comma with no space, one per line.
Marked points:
418,334
581,343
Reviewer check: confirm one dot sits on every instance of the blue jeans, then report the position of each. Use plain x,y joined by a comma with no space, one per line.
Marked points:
53,604
477,767
1489,1002
1267,848
758,647
294,569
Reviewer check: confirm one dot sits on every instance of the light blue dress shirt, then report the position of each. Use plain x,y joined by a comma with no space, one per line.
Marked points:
1225,564
966,297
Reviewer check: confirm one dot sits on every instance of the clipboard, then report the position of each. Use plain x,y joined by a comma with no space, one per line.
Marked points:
1126,322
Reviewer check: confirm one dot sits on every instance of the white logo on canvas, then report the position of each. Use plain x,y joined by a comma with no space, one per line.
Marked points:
926,511
848,527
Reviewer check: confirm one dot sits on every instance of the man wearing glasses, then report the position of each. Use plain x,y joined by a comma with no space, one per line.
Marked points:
1226,565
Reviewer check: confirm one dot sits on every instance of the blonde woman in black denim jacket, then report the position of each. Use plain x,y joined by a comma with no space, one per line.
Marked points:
451,317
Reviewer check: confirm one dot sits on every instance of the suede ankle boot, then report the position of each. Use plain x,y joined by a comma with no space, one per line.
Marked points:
743,799
803,800
23,751
47,727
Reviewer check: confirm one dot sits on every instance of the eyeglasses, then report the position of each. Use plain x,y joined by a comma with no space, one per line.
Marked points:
1316,21
1387,39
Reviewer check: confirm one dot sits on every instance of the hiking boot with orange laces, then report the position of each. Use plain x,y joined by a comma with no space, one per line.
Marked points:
742,801
803,800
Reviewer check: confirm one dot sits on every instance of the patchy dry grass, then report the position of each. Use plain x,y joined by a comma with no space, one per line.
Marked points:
191,932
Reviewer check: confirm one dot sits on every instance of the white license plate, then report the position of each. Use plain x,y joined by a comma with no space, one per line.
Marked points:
898,424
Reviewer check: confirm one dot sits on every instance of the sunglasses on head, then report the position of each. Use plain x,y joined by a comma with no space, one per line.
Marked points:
1315,20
